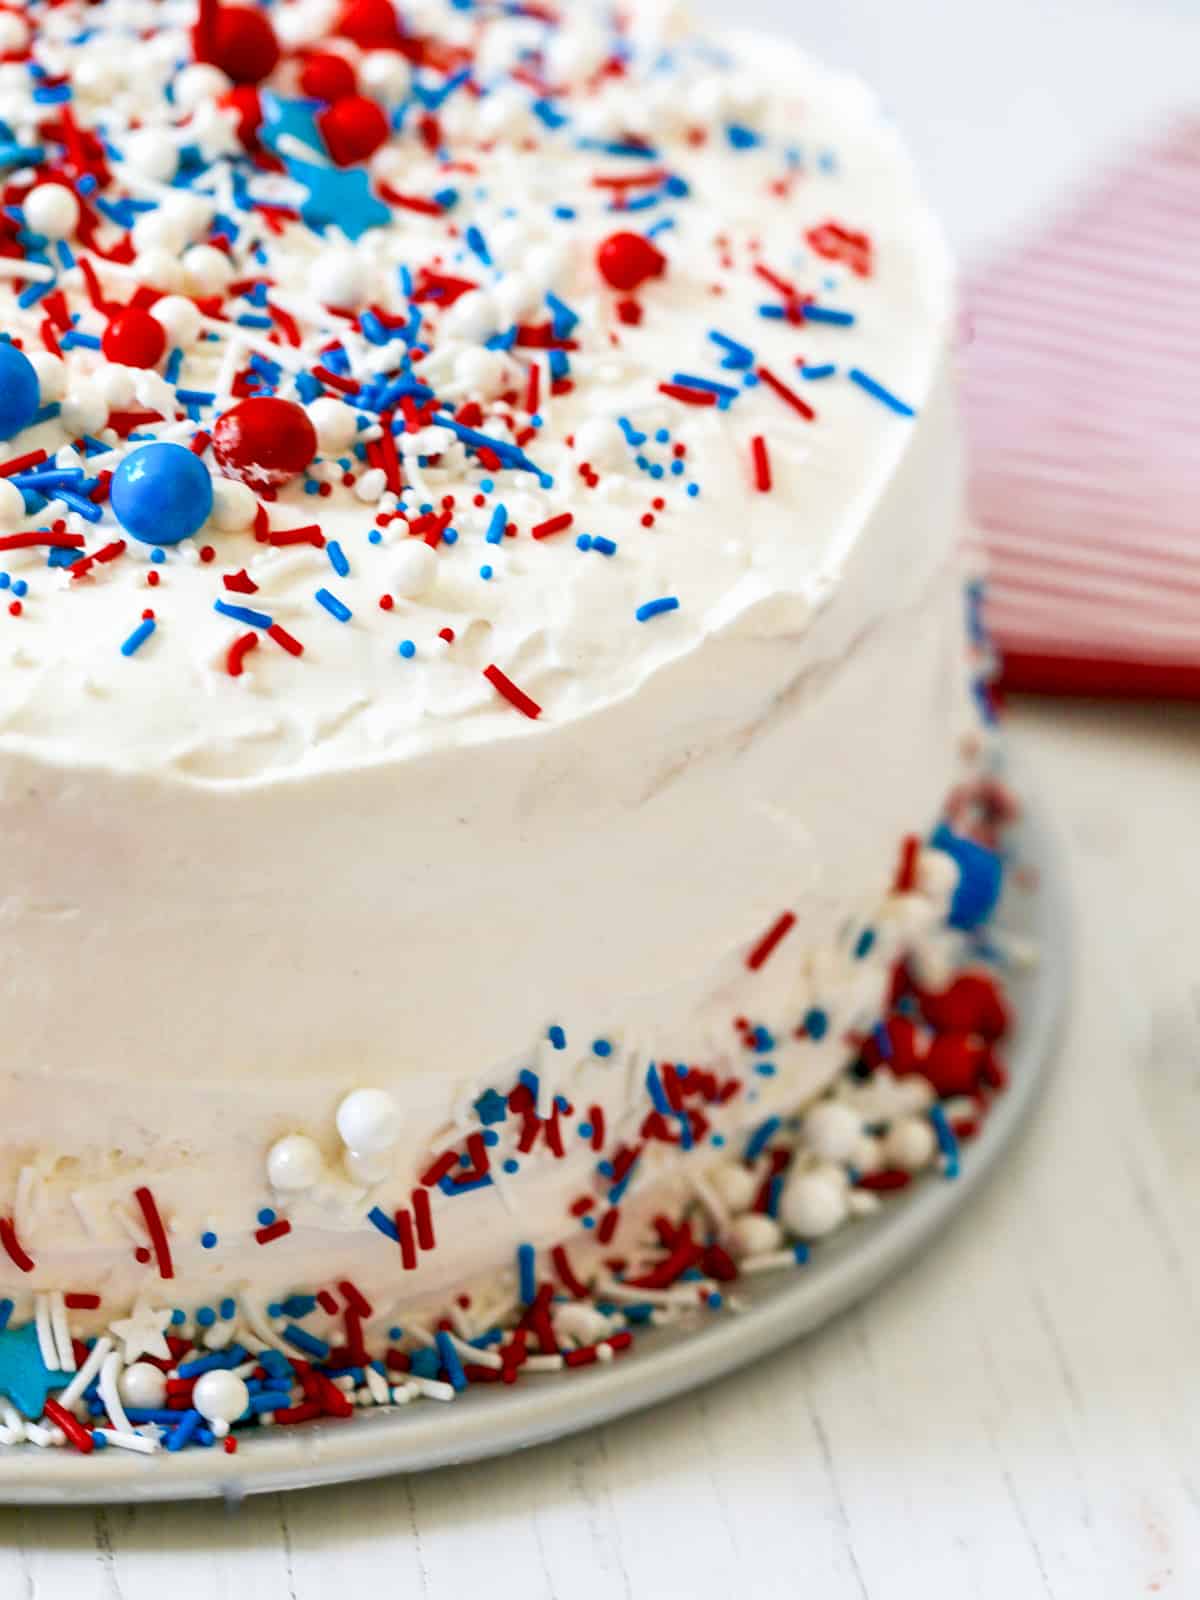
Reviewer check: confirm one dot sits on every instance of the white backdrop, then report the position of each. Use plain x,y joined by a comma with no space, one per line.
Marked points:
1003,101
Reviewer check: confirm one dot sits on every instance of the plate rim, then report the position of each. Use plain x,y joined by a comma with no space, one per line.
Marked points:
665,1363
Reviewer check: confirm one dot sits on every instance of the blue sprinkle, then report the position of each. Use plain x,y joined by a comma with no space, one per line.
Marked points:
139,636
253,619
737,355
379,1218
527,1273
476,242
605,546
741,137
563,320
873,387
823,370
947,1143
836,319
485,573
300,1339
585,1130
407,649
20,588
557,1037
333,605
511,1166
655,1090
656,608
864,944
761,1137
816,1023
208,1240
181,1435
617,147
450,1361
601,1047
337,558
689,380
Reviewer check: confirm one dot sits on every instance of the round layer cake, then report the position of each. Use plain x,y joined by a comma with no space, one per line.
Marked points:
478,523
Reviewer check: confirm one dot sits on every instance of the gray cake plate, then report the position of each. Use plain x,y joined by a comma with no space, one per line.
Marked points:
490,1421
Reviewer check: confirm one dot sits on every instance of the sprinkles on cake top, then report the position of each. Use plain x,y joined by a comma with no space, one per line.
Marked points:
524,284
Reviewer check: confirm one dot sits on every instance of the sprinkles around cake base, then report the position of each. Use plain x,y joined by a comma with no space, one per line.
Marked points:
160,1381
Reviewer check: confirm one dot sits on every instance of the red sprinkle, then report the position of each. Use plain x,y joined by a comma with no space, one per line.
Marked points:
71,1426
32,541
562,1265
237,653
516,697
408,1246
283,638
273,1230
156,1230
439,1169
309,534
689,397
559,524
766,945
423,1216
12,1246
762,465
789,396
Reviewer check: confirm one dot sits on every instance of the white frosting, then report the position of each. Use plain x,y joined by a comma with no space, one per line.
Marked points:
229,902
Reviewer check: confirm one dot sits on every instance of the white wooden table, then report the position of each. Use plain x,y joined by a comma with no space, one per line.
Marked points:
1019,1415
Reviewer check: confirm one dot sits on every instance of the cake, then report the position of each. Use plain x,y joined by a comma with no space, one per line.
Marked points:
483,675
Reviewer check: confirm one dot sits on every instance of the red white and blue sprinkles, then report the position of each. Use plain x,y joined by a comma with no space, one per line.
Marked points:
178,414
917,1086
163,384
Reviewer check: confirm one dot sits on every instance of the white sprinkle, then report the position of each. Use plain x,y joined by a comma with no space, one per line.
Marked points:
110,1369
126,1439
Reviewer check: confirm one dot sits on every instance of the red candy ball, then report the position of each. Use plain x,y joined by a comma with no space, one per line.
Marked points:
371,24
627,260
954,1064
264,442
244,44
134,339
327,77
245,101
902,1047
972,1004
353,128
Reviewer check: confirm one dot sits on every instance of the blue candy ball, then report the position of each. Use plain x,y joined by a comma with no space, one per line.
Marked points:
161,493
20,395
980,877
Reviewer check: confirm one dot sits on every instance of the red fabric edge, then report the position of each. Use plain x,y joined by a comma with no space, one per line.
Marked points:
1024,672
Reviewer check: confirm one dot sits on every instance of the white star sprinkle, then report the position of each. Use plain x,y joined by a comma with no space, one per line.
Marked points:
143,1333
